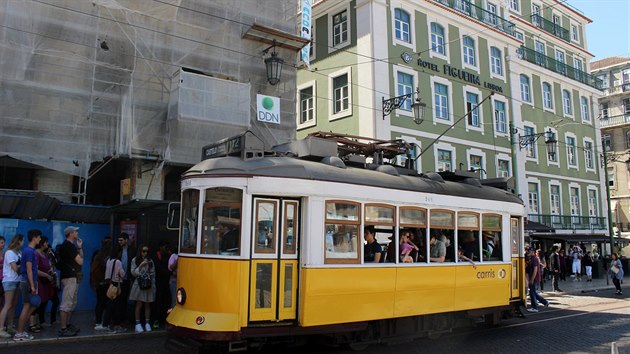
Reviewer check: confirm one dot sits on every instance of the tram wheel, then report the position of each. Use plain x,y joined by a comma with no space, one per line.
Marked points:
358,347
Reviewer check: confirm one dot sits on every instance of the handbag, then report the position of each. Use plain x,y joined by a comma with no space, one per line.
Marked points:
113,291
144,281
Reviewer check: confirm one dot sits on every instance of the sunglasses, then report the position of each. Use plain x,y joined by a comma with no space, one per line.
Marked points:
145,251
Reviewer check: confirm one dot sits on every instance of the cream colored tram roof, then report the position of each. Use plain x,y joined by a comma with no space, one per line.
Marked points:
289,167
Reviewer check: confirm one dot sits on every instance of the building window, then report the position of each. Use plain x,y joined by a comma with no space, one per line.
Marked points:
574,197
340,28
560,64
571,158
605,110
584,108
536,15
472,100
554,198
525,89
500,117
625,76
438,39
575,33
492,13
504,168
496,63
607,142
539,48
588,155
578,65
566,102
469,51
444,160
476,163
519,35
604,78
592,203
532,197
547,96
440,95
307,110
530,149
626,106
515,5
405,86
341,95
401,25
627,139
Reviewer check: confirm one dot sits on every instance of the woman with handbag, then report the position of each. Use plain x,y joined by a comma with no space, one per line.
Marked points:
114,276
616,272
45,279
143,288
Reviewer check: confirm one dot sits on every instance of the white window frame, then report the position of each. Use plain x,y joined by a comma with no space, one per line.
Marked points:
414,75
496,63
529,197
474,90
526,92
412,25
448,84
564,104
477,152
544,49
498,159
575,210
585,109
555,183
536,10
445,147
519,35
561,57
575,32
515,6
331,96
586,141
417,146
490,6
531,150
474,67
435,54
331,14
542,90
313,85
576,165
592,203
495,117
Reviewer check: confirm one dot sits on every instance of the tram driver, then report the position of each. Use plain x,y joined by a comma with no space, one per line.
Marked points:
229,234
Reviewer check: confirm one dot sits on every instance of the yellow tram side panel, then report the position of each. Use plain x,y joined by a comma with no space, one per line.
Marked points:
215,289
340,295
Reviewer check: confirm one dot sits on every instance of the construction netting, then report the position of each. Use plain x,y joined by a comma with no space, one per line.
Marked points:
85,80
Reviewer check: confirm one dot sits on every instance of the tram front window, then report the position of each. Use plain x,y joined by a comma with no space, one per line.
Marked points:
222,221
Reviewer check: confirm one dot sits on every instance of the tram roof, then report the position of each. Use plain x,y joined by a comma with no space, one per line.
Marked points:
290,167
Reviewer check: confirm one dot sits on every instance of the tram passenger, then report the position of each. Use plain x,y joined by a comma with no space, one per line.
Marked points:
469,245
450,249
372,250
407,246
341,242
438,249
229,235
462,258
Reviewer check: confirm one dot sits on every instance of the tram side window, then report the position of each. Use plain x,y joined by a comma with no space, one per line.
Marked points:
492,238
442,243
380,220
468,235
342,232
414,220
188,229
222,221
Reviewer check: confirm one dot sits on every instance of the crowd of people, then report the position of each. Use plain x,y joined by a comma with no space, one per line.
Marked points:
131,287
558,265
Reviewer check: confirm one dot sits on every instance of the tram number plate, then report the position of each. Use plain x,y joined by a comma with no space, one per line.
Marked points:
428,199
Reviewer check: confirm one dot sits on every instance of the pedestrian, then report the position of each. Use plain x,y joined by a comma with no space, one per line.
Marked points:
71,263
97,281
576,268
172,267
2,243
563,264
143,287
10,284
534,275
162,276
555,268
114,274
56,286
128,252
45,280
543,268
616,272
588,265
28,285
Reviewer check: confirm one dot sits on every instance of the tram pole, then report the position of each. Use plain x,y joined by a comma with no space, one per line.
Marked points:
513,131
610,223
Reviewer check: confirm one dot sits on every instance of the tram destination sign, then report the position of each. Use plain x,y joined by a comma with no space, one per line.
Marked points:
226,147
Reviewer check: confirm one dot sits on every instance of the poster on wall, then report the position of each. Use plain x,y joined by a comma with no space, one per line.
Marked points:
131,228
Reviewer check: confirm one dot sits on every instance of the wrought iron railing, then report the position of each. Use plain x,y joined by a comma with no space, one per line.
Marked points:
570,222
551,27
559,67
480,14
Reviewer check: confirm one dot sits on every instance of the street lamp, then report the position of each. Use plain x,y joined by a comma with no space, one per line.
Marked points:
550,141
396,102
273,64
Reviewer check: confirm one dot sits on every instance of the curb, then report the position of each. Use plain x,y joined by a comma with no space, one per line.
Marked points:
80,338
580,291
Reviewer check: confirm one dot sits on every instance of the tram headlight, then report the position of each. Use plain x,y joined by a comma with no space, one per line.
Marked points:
181,296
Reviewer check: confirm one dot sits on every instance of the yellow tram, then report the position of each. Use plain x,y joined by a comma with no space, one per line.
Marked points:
271,245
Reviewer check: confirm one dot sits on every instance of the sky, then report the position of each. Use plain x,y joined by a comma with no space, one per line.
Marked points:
609,33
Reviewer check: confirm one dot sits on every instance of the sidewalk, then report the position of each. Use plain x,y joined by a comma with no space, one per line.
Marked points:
83,320
572,286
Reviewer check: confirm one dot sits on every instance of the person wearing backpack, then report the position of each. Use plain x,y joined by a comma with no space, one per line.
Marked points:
71,258
97,281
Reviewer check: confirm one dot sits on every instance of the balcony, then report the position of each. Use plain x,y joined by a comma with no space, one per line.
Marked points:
608,122
570,222
473,11
550,27
616,89
559,67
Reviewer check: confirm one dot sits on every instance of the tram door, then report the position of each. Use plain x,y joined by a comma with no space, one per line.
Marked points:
518,282
274,267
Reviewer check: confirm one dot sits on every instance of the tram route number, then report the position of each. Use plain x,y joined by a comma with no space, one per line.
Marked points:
226,147
428,199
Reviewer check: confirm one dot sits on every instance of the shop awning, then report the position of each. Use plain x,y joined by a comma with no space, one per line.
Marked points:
578,238
535,227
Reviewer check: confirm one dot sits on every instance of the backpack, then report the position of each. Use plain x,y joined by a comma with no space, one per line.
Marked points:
58,261
97,272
